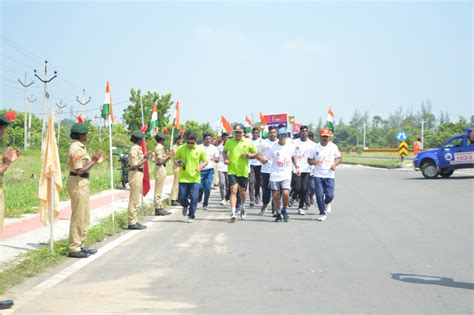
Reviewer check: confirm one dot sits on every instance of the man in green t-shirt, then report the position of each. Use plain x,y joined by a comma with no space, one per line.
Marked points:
191,159
237,152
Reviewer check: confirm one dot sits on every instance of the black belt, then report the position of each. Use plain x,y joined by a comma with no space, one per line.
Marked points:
140,170
160,164
85,175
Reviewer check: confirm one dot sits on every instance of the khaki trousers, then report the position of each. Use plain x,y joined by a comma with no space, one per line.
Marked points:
160,177
175,189
135,181
78,189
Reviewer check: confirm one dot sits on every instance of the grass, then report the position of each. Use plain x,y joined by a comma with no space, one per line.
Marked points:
372,162
31,264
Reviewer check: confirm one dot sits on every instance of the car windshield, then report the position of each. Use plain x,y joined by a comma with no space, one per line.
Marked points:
456,142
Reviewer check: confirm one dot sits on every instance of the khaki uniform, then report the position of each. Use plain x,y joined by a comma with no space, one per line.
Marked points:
135,181
78,188
2,204
160,175
175,189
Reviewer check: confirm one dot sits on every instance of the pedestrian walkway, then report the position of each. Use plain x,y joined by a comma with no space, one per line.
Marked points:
21,235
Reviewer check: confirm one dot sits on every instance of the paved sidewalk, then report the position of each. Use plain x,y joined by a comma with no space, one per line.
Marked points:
21,235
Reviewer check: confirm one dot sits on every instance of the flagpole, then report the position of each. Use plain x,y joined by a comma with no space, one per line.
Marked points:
111,172
143,124
51,212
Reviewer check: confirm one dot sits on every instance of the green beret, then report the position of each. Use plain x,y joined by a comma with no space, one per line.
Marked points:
159,136
79,128
138,134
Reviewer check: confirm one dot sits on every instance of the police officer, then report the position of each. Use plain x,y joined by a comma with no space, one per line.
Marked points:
79,164
160,173
136,159
8,157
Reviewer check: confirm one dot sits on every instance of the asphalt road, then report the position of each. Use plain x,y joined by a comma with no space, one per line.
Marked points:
395,243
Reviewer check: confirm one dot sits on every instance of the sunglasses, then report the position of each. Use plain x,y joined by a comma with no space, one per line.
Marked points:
191,142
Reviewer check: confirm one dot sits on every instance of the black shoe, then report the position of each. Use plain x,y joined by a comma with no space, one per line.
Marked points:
278,218
5,304
79,254
90,251
161,211
175,203
136,226
184,211
286,217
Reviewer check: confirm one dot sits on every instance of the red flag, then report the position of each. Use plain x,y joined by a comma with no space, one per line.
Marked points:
226,124
146,174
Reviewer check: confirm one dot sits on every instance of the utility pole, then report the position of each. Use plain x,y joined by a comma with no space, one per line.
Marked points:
45,98
365,125
422,134
82,102
25,85
31,100
60,110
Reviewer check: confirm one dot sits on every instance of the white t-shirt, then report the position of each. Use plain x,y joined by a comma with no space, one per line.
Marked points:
301,154
265,147
258,144
212,153
325,155
281,161
221,166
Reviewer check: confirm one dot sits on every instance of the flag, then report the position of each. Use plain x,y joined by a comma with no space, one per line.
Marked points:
226,124
248,124
50,164
262,119
154,120
176,116
146,173
107,112
330,119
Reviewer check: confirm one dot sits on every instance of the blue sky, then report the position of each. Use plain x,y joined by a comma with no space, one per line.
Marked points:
237,58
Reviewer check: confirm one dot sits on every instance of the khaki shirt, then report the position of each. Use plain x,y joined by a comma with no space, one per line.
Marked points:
135,155
159,153
77,156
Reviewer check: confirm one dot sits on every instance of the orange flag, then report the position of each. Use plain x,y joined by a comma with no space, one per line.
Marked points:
226,124
262,119
176,119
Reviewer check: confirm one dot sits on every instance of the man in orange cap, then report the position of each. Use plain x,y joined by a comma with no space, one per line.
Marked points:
325,157
8,157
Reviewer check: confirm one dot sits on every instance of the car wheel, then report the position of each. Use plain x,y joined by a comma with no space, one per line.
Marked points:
429,170
446,174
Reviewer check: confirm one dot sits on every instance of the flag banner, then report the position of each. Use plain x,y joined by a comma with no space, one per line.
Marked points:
330,119
276,120
226,124
107,112
154,120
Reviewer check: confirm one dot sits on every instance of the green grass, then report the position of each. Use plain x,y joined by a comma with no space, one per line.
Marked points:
33,263
372,162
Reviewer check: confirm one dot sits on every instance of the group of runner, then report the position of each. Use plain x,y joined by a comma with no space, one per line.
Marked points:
278,170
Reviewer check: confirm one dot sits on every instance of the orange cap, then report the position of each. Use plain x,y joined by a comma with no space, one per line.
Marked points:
325,132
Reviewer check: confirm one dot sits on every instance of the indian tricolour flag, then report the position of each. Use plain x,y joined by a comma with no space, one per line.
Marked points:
107,112
330,119
154,120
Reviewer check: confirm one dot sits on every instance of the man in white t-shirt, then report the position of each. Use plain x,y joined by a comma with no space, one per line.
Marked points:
224,187
255,170
325,157
280,177
267,168
207,173
303,146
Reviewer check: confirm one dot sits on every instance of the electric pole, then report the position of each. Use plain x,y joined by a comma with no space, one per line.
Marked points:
30,100
60,110
45,97
82,102
25,85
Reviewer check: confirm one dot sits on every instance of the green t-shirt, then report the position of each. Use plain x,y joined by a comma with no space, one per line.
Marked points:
237,165
191,158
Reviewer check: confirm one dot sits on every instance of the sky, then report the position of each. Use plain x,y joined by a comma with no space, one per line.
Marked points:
237,58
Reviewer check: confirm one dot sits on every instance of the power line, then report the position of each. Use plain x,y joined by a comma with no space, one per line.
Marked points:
20,49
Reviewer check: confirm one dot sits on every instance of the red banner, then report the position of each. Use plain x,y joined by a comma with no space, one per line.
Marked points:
276,119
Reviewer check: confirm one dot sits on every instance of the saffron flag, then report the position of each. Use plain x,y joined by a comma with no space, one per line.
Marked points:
226,124
107,112
146,173
154,120
176,116
330,119
50,166
262,119
248,122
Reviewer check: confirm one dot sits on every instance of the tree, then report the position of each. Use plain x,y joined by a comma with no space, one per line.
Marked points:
132,115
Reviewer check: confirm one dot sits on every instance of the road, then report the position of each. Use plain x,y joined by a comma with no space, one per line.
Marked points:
395,243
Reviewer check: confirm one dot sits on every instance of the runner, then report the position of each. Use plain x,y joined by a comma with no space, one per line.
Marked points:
303,146
222,169
325,157
207,173
255,170
267,168
280,177
237,152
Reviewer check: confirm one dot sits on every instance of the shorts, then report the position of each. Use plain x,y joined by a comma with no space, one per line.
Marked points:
241,180
284,184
